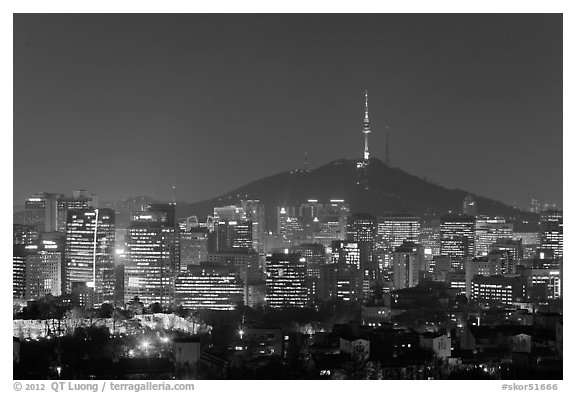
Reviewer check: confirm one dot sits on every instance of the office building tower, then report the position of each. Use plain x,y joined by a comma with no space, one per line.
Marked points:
209,287
286,280
79,201
18,271
333,222
342,278
394,228
315,255
309,214
362,230
340,281
89,252
41,211
469,206
231,235
44,270
407,260
488,230
255,213
282,219
193,246
551,232
346,252
457,235
430,238
153,257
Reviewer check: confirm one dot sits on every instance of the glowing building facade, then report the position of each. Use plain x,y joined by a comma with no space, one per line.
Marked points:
286,280
487,232
551,232
153,258
89,240
457,235
394,228
210,287
44,270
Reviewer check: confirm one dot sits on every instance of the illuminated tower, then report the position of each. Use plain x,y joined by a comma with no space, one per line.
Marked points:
366,128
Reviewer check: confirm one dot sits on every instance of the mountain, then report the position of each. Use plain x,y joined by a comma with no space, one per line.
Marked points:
388,189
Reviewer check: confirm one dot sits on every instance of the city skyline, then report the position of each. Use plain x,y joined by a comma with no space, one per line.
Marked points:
287,197
168,106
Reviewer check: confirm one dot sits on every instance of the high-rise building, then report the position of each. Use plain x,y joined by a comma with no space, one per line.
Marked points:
407,260
430,238
231,235
193,246
255,213
315,255
286,280
18,271
342,278
153,257
551,232
394,228
469,206
339,281
457,235
44,270
362,230
488,230
333,222
41,211
79,201
282,220
208,286
89,252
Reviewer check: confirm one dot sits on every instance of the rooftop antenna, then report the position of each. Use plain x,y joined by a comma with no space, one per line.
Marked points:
174,195
305,161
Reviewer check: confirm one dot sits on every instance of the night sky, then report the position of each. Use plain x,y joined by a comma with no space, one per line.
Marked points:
132,104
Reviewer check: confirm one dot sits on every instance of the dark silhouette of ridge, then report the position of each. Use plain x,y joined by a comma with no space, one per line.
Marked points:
388,189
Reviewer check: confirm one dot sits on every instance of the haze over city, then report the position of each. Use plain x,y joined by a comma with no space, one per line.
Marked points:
289,197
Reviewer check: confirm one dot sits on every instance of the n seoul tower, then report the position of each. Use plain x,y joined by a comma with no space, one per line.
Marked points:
366,127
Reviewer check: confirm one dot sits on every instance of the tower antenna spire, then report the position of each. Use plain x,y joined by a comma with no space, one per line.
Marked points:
366,126
305,161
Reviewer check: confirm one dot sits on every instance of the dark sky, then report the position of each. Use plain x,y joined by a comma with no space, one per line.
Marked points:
132,104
